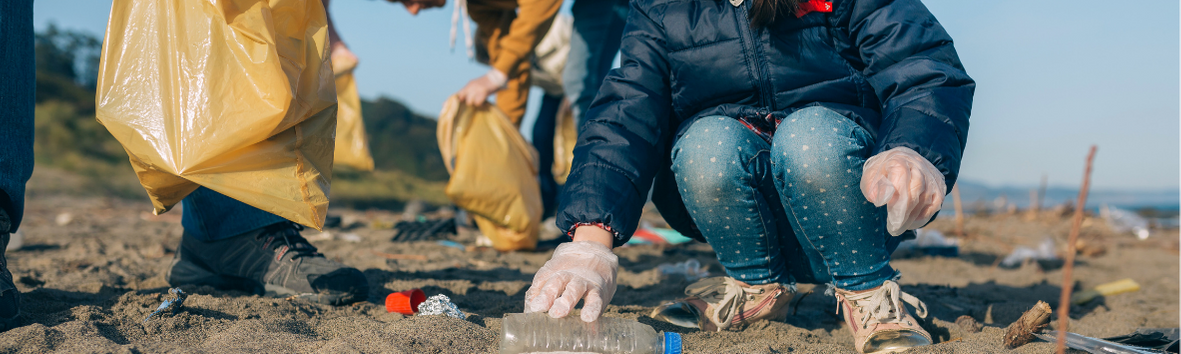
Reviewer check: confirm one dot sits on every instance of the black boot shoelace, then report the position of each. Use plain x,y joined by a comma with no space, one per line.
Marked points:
285,238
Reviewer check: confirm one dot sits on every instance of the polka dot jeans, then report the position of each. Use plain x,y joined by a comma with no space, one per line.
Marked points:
787,211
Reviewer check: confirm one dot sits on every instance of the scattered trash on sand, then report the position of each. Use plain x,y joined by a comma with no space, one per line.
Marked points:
171,305
440,305
1044,255
1108,289
1031,322
452,244
1165,339
405,302
538,333
691,269
423,230
1122,220
1095,345
929,242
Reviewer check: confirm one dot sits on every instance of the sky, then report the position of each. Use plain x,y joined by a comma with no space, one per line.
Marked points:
1053,77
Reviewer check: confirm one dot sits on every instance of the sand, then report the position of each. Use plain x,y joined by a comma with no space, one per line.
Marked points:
88,283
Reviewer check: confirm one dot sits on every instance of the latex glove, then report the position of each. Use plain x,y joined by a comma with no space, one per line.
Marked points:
910,186
478,90
576,271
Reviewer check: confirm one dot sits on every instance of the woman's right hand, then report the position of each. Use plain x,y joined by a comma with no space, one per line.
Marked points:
577,270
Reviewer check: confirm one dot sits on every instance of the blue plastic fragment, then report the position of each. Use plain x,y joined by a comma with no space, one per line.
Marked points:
453,244
171,305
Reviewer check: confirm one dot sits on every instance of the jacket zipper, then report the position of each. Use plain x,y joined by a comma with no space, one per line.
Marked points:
743,16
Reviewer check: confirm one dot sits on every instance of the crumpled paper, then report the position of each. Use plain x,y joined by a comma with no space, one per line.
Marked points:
440,305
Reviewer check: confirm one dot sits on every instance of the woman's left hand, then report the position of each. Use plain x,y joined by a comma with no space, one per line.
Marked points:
910,186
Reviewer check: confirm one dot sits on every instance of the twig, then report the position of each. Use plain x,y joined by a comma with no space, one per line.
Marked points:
416,257
959,211
1068,268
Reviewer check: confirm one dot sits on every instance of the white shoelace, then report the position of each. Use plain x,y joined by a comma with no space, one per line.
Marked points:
731,303
884,304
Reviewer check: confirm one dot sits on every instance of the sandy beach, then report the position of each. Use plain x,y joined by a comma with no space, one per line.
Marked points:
91,269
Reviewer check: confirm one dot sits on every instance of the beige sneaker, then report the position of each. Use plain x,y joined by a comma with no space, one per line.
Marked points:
879,321
719,303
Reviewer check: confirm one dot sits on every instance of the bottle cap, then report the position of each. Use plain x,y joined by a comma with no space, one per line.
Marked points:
405,302
672,343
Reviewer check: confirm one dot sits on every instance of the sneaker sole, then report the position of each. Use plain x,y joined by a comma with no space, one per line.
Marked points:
187,273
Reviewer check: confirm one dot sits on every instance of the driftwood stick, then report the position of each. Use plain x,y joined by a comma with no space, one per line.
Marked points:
1033,321
1068,268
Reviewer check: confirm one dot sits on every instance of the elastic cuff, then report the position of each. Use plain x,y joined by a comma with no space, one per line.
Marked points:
570,232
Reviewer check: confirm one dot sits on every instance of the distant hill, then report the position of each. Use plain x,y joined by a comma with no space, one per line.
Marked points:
1164,199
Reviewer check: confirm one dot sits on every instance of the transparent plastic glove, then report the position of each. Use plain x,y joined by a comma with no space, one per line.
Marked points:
910,186
577,270
478,90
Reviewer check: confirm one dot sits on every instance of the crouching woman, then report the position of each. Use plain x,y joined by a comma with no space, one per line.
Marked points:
799,139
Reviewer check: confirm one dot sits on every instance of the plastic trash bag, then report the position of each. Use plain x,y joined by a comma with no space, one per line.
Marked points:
352,145
565,137
236,96
493,173
910,186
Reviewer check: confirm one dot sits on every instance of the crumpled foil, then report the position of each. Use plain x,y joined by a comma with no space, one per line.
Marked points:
440,305
171,305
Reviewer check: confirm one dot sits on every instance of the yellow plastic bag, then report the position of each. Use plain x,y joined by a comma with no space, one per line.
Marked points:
352,146
493,173
235,95
565,137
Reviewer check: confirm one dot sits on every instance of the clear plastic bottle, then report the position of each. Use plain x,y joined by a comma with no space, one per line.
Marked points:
539,333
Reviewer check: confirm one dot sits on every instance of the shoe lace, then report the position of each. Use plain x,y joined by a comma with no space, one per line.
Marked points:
884,305
728,297
291,242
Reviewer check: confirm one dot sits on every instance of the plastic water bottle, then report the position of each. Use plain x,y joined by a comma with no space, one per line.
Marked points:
539,333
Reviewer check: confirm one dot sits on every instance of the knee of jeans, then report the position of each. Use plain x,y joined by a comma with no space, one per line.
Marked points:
713,155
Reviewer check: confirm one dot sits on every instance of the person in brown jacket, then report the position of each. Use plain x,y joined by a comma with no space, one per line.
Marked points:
506,33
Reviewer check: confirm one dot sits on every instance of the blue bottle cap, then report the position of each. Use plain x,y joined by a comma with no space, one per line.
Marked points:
672,343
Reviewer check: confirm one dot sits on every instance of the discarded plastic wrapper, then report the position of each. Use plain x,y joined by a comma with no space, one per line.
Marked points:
1125,221
691,269
352,144
493,173
930,242
236,97
1044,252
171,305
440,305
1107,289
1165,339
1095,345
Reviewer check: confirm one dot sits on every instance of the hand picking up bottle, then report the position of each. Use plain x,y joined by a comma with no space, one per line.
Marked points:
577,270
910,187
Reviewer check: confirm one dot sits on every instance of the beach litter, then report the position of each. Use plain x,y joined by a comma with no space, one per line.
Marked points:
1107,289
691,269
1165,339
929,243
1122,220
452,244
171,305
440,305
1044,255
405,302
1095,345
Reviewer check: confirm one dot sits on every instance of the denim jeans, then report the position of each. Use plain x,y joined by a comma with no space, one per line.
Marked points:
210,216
17,87
598,31
543,141
789,211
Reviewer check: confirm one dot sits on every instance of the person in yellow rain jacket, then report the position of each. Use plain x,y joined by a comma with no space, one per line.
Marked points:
506,33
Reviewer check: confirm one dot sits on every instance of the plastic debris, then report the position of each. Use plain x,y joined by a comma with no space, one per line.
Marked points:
931,243
171,305
452,244
1156,338
63,219
691,269
424,230
1122,220
440,305
350,237
1095,345
1107,289
1043,254
404,302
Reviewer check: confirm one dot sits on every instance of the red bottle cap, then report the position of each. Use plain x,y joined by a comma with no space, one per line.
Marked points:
405,302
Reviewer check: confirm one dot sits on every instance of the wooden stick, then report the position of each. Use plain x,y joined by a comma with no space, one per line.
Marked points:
1033,321
959,210
1068,268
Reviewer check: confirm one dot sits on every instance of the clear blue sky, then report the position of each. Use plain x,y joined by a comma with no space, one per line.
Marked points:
1053,77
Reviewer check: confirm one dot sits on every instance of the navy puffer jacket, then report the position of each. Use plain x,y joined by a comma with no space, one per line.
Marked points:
888,65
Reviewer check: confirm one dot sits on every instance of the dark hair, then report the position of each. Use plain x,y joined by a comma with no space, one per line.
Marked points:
765,12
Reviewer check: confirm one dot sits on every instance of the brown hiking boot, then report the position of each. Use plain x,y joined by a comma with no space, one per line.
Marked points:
719,303
879,321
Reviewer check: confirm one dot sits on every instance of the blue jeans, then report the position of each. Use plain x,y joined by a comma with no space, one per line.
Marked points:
17,87
543,141
211,216
789,211
598,31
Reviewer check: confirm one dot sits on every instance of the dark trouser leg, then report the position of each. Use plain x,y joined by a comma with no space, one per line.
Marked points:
17,87
598,31
543,141
211,216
